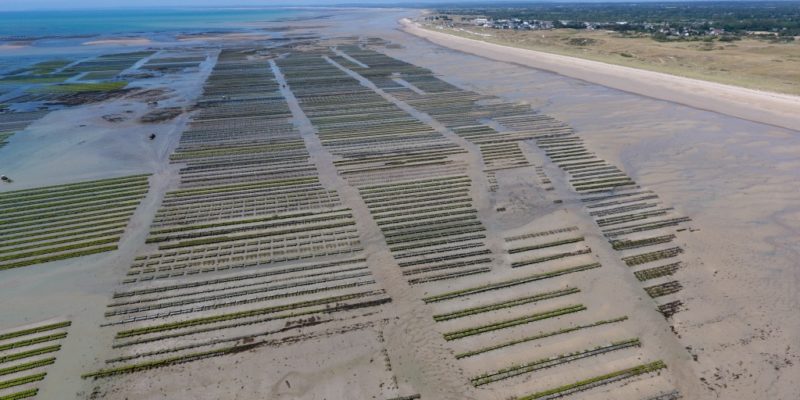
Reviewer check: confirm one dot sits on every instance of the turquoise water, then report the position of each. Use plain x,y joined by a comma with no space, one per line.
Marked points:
60,34
32,24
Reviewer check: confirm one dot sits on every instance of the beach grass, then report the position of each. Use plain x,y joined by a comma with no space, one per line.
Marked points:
749,63
34,79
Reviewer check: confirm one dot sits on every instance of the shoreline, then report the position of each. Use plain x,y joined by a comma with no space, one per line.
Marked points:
760,106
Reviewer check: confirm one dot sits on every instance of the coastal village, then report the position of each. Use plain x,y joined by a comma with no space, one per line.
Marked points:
695,30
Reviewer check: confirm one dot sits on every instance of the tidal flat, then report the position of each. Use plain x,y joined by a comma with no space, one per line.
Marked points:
327,206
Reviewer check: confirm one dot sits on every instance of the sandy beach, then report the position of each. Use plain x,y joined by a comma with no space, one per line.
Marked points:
765,107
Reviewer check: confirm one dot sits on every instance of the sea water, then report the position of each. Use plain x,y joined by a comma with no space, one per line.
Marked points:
27,37
25,25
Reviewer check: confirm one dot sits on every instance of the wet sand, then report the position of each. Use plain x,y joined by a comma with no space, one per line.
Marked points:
78,144
735,178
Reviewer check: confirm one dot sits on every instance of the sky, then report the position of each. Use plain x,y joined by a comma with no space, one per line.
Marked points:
74,4
14,5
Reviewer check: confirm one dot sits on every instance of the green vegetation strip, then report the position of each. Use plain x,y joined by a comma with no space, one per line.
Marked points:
27,366
72,236
513,322
186,285
516,370
22,381
425,234
632,244
644,258
36,244
596,381
373,198
509,283
236,222
432,243
558,256
57,257
326,310
403,202
505,304
249,227
33,79
98,75
647,226
51,215
241,186
20,395
316,290
49,66
59,249
240,314
225,238
657,272
69,88
420,183
165,362
86,189
412,397
545,245
170,361
77,202
33,228
31,331
537,337
30,353
232,150
623,179
5,135
604,186
33,341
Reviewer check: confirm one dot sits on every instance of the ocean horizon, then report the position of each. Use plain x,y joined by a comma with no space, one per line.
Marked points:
26,25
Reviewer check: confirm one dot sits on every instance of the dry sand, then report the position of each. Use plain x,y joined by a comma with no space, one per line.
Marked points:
766,107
